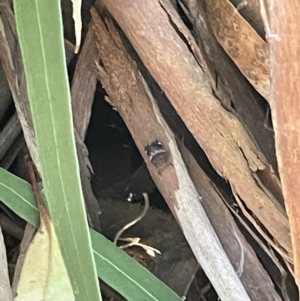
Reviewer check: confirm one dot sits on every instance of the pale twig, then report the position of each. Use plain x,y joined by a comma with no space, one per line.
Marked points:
242,260
135,242
127,226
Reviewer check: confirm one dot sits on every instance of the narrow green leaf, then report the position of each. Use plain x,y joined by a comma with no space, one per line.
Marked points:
125,275
18,196
40,32
114,266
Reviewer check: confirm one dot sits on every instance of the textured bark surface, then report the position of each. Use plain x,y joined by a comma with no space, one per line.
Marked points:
250,10
284,42
192,54
84,85
226,143
241,42
132,98
229,82
82,92
255,279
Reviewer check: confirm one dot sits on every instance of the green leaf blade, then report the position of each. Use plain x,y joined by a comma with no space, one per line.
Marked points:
40,31
17,195
114,266
124,274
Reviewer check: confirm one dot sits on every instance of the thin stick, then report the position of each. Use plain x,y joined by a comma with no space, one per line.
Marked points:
147,204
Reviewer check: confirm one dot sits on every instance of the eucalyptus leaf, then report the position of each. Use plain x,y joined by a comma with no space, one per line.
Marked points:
44,275
114,266
40,32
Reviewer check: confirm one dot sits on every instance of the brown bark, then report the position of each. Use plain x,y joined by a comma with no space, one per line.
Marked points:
284,40
132,98
233,90
125,87
241,42
250,10
82,92
84,85
220,134
255,279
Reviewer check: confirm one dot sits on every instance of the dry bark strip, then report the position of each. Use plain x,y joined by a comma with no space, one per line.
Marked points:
250,10
131,96
241,42
245,101
10,227
284,43
220,134
84,85
256,280
82,92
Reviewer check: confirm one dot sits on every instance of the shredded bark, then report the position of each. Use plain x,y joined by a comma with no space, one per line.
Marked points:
230,149
132,98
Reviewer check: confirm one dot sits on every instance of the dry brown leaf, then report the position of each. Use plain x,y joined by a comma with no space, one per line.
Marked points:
44,276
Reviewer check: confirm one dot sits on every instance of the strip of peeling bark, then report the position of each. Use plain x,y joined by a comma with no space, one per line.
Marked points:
241,96
257,282
84,85
284,40
132,98
241,42
220,134
83,92
10,55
